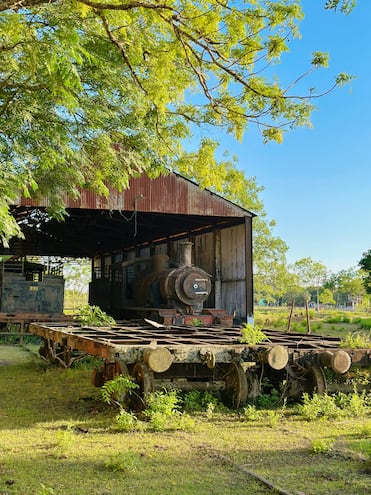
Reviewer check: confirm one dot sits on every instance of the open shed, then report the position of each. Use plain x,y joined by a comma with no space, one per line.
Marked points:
148,218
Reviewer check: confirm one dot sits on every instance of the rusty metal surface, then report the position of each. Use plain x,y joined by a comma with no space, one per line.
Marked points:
21,295
128,342
166,194
95,228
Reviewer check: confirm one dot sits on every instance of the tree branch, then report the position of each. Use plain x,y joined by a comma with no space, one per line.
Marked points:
21,4
120,46
126,5
24,4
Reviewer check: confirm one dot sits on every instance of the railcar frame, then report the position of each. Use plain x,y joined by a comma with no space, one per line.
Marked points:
203,358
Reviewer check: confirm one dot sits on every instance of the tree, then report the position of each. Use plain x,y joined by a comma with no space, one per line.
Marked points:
77,275
311,274
270,273
347,286
98,91
365,264
345,6
326,296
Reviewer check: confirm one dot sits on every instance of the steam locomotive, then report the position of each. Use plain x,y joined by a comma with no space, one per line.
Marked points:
158,288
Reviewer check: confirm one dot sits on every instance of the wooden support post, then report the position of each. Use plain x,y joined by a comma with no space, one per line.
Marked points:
249,270
307,315
290,315
218,271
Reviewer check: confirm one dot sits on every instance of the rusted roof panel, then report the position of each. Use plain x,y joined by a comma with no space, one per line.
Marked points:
167,194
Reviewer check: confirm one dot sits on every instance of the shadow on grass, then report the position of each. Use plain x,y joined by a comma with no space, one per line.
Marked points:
172,469
57,434
34,392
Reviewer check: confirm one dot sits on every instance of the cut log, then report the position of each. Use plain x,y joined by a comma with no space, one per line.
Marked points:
338,361
277,357
159,360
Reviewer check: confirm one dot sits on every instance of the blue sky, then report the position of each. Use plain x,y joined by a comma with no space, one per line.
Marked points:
318,182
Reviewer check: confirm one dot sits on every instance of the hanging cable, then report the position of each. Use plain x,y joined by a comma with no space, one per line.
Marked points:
134,214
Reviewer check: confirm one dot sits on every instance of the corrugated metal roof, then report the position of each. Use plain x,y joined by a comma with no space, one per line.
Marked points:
148,212
166,194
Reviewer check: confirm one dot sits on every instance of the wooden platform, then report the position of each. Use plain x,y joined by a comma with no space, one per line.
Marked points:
128,342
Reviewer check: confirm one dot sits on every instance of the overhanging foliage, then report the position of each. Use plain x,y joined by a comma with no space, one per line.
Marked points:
96,92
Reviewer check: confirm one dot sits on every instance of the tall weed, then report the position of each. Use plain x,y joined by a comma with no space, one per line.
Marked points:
320,446
252,335
335,406
127,421
199,401
356,340
125,462
162,412
365,324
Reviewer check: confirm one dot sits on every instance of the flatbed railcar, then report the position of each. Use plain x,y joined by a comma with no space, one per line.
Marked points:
201,358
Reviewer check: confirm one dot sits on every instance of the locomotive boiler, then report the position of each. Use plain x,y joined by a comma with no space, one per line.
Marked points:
172,293
183,288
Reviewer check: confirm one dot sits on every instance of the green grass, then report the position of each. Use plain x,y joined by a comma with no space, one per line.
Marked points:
332,323
58,438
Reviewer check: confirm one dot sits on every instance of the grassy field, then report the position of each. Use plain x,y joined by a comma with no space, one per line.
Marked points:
58,438
330,322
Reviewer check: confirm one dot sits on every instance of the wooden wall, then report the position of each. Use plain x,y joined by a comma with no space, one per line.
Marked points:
226,255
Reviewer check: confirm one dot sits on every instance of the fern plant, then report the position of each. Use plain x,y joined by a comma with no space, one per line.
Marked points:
115,392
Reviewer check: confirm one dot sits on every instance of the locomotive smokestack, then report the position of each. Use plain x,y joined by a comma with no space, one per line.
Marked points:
185,253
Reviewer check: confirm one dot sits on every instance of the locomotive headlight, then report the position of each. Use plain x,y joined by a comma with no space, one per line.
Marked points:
201,288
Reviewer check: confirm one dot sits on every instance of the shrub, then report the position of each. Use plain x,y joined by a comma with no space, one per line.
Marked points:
87,362
355,404
356,340
126,421
127,462
197,401
94,316
280,322
252,335
357,321
45,490
250,413
116,391
319,406
365,448
320,446
295,327
336,406
268,400
274,417
333,319
366,324
162,411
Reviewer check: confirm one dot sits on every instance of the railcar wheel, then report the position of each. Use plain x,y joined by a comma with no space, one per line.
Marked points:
236,389
49,351
254,386
315,380
299,380
143,377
